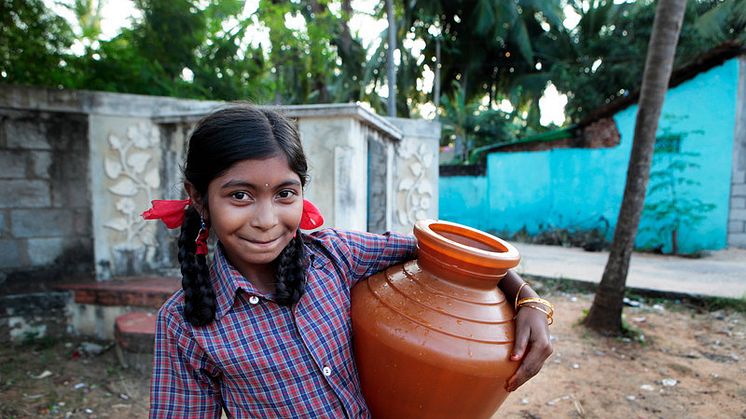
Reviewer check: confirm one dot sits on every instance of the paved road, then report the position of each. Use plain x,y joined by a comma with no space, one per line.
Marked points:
721,274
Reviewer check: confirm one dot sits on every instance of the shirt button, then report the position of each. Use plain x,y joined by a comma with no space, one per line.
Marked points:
327,371
254,299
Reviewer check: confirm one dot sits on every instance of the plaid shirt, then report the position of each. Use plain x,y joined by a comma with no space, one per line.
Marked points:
260,359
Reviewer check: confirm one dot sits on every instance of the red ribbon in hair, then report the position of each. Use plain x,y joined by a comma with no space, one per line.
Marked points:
311,217
201,241
171,212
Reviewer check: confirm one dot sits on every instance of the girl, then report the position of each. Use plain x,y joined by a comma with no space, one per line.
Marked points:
264,330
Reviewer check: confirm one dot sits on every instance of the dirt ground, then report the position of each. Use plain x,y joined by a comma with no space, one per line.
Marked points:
686,364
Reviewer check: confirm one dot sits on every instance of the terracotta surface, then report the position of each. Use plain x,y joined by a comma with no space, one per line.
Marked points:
432,336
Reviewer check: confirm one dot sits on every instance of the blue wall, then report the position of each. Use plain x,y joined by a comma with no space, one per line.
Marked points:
464,199
578,188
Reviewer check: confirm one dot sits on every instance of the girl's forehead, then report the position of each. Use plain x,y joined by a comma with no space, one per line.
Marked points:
261,171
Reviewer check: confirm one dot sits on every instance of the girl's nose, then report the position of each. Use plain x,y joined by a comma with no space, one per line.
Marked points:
264,217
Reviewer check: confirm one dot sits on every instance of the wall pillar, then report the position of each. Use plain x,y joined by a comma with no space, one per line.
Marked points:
737,210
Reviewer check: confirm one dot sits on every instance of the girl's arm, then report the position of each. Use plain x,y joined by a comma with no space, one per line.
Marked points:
532,344
364,254
179,386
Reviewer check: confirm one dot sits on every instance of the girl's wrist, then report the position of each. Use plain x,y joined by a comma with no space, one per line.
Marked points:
539,304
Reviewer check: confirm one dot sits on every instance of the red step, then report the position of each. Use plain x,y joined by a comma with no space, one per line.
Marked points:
148,291
134,334
135,331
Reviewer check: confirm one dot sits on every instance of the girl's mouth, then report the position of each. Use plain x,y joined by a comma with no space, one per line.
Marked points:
262,243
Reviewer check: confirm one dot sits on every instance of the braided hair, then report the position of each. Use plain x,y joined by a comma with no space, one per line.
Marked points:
220,140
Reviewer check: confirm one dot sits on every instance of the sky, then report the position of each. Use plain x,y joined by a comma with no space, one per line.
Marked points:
119,13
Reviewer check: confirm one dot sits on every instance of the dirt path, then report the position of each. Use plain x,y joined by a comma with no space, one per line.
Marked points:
690,365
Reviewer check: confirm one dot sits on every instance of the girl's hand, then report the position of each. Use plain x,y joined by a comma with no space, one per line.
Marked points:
532,345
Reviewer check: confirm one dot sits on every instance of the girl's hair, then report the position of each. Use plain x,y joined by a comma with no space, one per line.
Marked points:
220,140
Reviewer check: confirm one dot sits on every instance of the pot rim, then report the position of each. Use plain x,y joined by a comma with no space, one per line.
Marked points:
423,230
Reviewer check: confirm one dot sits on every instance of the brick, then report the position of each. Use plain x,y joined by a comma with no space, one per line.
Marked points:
737,239
24,194
10,254
12,164
143,291
41,223
82,222
738,202
26,134
41,163
736,226
68,132
69,180
45,251
738,190
737,214
739,177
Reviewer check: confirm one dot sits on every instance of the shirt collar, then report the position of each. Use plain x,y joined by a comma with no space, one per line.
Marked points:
226,281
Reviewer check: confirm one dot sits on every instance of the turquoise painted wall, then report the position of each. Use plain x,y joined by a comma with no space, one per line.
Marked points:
583,188
464,199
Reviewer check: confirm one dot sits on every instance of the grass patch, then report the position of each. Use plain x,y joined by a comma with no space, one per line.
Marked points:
720,303
634,333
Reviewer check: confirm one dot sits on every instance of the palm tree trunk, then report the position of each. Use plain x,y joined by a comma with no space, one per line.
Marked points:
436,81
605,315
390,68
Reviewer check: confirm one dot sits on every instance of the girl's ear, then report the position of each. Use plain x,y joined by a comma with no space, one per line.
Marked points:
196,198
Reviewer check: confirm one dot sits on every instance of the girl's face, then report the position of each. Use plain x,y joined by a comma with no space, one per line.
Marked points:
255,209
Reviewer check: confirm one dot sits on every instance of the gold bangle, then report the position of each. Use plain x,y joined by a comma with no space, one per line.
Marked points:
550,318
535,300
518,294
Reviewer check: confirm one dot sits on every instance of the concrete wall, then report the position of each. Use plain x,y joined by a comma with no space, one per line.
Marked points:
80,167
45,204
737,217
33,315
415,173
583,188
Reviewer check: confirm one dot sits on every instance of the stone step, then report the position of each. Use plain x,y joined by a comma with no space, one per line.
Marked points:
97,305
134,334
141,291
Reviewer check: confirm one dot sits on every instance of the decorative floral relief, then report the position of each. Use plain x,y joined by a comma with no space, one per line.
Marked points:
418,190
128,168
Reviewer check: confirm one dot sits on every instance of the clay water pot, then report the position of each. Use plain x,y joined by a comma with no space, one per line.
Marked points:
432,337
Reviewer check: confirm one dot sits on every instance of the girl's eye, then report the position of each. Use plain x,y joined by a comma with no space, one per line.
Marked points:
240,195
285,194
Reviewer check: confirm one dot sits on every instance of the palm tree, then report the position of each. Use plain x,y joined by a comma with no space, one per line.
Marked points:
390,67
605,315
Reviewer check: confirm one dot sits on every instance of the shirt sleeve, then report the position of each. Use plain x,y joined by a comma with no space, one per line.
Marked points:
180,386
365,254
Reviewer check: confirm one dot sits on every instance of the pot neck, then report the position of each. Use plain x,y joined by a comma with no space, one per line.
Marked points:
463,255
457,272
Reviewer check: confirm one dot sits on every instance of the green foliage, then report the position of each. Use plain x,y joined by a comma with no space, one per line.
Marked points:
492,50
467,126
721,21
602,58
32,44
170,33
669,204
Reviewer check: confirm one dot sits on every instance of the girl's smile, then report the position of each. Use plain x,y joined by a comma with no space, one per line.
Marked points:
254,209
